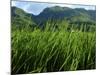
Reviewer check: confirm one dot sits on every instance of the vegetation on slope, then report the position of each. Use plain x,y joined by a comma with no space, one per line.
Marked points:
54,44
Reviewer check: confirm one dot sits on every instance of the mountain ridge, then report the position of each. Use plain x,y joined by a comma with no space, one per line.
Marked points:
57,12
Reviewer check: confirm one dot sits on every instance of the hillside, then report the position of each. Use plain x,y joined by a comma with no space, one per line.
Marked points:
76,15
58,39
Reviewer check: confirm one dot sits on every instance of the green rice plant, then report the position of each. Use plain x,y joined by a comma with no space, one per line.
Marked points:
56,48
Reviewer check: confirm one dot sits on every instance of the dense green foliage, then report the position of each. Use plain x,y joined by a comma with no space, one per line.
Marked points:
52,50
58,45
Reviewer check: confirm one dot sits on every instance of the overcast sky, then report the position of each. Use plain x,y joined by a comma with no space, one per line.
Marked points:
36,8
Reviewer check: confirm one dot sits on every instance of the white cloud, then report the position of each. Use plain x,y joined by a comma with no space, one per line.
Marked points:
13,3
25,7
62,5
86,2
36,8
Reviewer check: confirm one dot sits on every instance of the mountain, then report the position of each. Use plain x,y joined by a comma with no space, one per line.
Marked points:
19,16
74,15
21,19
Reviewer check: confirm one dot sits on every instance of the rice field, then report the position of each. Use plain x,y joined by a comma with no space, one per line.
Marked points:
50,50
